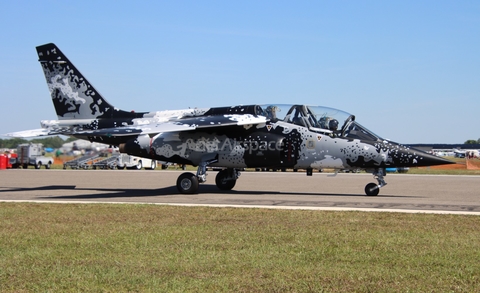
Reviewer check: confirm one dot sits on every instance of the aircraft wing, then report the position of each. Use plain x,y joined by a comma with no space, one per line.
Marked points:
135,130
183,124
150,127
220,120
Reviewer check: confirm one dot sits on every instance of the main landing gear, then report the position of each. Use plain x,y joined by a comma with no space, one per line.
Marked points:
187,183
372,189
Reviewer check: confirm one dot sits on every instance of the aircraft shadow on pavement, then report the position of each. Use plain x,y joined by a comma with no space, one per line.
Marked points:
105,193
48,187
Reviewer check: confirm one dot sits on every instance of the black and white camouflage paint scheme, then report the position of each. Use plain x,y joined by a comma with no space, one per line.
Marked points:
244,136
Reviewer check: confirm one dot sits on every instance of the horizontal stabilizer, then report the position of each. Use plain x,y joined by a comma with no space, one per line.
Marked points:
32,133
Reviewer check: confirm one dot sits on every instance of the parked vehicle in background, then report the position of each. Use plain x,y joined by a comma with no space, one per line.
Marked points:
12,161
134,162
30,154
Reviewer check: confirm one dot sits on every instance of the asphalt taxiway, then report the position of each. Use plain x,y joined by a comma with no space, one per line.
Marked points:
345,191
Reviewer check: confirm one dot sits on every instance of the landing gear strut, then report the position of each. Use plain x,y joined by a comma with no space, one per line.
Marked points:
187,183
372,189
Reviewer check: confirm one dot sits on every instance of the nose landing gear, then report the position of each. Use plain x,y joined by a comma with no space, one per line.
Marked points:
372,189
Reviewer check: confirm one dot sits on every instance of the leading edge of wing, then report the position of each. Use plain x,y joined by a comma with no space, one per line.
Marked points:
32,133
184,124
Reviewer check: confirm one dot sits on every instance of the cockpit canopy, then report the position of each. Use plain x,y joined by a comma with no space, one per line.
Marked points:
319,119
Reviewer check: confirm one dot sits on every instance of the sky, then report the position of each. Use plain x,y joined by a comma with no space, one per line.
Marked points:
408,70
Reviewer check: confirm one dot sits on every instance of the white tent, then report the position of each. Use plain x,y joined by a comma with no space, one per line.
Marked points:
82,145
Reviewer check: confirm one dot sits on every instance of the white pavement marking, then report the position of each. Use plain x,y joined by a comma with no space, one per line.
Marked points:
338,209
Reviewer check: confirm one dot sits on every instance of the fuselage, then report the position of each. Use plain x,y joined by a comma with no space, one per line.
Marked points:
280,143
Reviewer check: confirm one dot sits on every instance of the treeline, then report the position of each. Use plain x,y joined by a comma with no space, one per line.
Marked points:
472,141
49,142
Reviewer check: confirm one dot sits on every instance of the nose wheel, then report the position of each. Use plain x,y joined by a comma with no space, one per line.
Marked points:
372,189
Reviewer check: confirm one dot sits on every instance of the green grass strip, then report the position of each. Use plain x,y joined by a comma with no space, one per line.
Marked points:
146,248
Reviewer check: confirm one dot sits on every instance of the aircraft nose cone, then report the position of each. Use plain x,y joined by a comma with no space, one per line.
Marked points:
431,160
409,157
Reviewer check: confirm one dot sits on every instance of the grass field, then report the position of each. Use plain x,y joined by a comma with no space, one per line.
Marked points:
145,248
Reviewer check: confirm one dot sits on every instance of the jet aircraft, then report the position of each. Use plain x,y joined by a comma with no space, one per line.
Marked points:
243,136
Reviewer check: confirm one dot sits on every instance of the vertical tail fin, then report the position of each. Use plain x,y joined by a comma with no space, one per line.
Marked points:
72,95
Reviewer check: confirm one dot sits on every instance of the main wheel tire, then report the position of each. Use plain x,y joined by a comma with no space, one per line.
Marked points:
48,166
153,165
222,183
38,165
372,189
139,165
187,183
